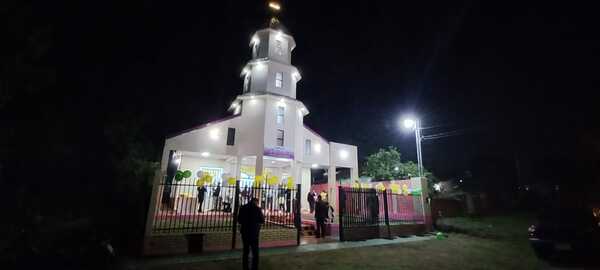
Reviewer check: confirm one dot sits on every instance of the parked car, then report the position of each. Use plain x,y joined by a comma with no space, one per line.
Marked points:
566,229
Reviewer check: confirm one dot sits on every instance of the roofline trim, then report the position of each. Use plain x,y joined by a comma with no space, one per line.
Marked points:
202,126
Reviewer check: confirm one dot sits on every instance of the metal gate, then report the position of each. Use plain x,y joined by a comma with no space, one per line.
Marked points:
185,208
369,211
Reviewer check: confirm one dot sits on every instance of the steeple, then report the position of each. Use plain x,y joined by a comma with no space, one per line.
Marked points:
270,70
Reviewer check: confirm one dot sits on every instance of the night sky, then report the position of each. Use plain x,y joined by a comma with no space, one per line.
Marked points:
517,79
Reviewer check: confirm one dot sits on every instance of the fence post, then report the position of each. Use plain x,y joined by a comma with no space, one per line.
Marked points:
341,208
297,215
236,207
385,209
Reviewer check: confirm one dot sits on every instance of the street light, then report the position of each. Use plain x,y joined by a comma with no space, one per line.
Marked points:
410,123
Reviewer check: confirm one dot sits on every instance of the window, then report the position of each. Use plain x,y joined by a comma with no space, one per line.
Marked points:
279,137
307,147
280,114
230,136
278,79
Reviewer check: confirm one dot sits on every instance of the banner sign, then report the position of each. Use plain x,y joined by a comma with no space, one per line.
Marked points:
278,151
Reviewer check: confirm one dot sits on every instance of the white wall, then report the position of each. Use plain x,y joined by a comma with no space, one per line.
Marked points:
249,137
201,140
288,87
351,161
289,125
321,158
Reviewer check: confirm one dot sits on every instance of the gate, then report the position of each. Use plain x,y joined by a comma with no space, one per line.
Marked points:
367,213
180,210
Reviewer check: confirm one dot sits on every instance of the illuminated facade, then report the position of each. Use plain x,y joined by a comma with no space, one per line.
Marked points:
265,135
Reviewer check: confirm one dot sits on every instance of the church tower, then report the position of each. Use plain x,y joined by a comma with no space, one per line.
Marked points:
270,70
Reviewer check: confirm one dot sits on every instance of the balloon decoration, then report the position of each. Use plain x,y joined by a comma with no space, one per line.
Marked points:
187,174
380,187
272,180
178,176
356,184
290,183
208,178
231,181
258,180
395,188
405,190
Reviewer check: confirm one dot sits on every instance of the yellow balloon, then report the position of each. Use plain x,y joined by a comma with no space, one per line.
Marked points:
356,185
405,189
290,182
207,178
272,180
380,187
395,188
231,181
258,180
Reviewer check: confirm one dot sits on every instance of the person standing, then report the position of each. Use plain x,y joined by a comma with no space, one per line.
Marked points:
201,193
250,219
311,200
321,214
216,194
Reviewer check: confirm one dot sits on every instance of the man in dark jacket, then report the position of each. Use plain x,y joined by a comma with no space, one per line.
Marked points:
250,217
321,214
201,193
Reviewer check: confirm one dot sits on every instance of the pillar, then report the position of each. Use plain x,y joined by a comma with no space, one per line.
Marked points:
332,187
238,168
305,186
354,174
258,169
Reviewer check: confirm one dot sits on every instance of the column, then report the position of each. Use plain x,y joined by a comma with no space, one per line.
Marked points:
332,187
354,174
238,168
258,169
305,186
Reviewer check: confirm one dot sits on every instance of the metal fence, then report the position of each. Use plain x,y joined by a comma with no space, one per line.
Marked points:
360,207
184,207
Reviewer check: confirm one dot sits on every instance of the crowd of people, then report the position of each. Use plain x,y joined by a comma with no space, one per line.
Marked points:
222,199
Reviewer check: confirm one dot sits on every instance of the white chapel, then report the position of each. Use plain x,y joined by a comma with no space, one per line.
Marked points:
266,133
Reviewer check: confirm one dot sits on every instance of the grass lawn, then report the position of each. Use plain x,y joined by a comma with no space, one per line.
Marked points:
458,251
510,228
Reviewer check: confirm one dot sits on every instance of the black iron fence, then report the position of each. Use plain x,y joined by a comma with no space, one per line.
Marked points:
362,207
184,207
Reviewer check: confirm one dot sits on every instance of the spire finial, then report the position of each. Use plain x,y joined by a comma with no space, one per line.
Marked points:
274,8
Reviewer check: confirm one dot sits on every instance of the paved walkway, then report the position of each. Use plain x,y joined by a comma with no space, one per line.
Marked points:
229,255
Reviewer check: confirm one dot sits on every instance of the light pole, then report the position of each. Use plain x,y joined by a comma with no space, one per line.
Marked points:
415,124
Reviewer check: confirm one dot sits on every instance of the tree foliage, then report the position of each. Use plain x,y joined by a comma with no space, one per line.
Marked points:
382,165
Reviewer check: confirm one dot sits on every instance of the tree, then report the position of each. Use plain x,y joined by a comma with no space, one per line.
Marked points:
381,165
386,164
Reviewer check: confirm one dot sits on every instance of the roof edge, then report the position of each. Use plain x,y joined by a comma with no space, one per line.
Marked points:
170,136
